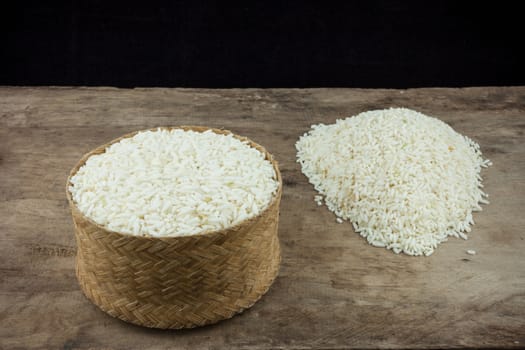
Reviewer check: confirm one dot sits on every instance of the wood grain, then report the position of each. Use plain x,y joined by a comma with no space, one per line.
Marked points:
333,291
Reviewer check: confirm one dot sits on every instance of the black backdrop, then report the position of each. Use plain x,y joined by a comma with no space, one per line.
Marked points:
293,44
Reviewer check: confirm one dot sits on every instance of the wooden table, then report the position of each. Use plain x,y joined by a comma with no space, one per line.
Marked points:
334,290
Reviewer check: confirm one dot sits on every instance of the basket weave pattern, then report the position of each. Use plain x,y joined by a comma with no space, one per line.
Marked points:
178,282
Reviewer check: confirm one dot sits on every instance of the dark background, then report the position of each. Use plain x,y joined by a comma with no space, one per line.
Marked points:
395,44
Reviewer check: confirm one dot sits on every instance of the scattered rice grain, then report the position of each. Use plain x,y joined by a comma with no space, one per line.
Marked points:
405,180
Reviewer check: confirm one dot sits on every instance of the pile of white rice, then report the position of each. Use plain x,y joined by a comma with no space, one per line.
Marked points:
174,183
405,180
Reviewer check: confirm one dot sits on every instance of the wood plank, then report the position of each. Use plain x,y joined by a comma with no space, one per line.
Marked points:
333,291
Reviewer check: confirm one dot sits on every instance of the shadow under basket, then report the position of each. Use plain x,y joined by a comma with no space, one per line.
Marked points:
177,282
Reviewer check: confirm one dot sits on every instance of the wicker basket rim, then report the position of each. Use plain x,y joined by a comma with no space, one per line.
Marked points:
206,234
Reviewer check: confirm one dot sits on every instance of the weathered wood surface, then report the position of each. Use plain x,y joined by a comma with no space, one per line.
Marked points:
333,291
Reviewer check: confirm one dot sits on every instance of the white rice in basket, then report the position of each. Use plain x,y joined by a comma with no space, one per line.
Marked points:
174,183
405,180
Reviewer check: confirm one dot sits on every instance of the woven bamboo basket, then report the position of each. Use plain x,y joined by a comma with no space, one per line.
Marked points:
177,282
